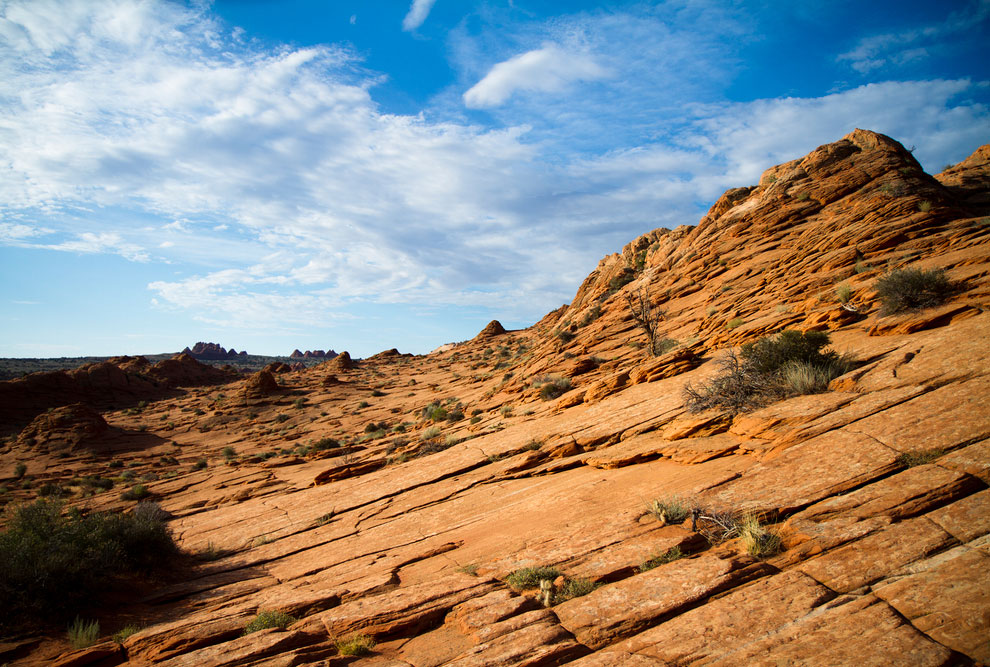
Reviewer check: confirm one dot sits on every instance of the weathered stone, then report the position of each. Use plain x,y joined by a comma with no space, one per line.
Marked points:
627,607
974,459
948,598
863,631
965,519
856,564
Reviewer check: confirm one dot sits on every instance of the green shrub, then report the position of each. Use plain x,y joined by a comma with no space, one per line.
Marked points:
554,388
430,433
299,403
925,206
574,588
530,577
280,419
200,464
355,645
434,412
843,293
565,336
377,393
663,345
735,322
136,492
325,443
83,634
912,289
621,280
593,314
55,564
670,510
228,452
19,469
269,619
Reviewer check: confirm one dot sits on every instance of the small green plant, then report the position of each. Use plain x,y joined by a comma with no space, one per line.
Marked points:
505,410
434,412
663,346
363,404
912,289
475,419
668,556
565,336
83,633
925,206
470,569
670,510
136,492
735,322
621,280
919,457
591,315
281,419
19,469
574,588
200,464
269,619
555,388
299,403
228,453
843,293
430,433
124,633
532,445
530,577
760,541
325,443
354,645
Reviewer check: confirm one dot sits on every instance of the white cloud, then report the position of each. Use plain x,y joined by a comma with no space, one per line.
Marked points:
102,242
418,11
548,69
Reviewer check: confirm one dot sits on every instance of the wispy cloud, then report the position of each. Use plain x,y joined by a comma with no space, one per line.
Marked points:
546,70
908,46
289,196
418,11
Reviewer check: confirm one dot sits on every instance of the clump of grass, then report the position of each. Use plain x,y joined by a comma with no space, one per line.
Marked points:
299,403
269,619
54,563
430,433
771,368
925,206
354,645
760,541
505,410
228,453
554,388
124,633
530,577
200,464
735,322
470,569
919,457
434,412
843,293
670,510
82,633
664,345
574,588
136,492
662,558
912,289
19,469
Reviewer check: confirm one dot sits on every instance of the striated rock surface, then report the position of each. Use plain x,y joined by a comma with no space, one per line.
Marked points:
395,497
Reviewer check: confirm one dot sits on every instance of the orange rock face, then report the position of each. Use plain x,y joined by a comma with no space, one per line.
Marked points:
404,497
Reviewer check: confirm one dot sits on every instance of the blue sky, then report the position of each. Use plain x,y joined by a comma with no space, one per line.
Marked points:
385,173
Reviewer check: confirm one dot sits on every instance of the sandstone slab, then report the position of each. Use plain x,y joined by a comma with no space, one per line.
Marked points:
875,556
965,519
625,608
948,598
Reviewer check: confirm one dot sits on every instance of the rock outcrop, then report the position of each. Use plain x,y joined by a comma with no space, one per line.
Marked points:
513,500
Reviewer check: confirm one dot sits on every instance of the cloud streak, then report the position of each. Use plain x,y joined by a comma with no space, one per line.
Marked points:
418,11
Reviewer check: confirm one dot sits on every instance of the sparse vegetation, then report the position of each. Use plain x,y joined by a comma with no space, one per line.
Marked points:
925,206
530,577
668,556
919,457
912,289
554,388
735,322
843,293
136,492
670,510
769,369
269,619
354,645
55,563
19,469
124,633
228,453
760,541
648,318
83,634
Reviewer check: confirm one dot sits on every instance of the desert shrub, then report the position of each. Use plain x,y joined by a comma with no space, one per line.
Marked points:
228,452
377,393
49,489
430,433
565,336
136,492
280,418
363,404
760,541
574,588
83,634
299,403
434,412
773,367
505,410
925,206
19,469
325,443
269,619
668,556
591,315
912,289
670,510
554,388
54,564
354,645
735,322
843,293
530,577
663,345
200,464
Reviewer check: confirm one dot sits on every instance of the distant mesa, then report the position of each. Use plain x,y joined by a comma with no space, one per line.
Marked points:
313,354
212,352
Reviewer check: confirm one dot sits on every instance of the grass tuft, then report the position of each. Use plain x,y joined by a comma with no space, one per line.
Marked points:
354,645
530,577
269,619
912,289
83,633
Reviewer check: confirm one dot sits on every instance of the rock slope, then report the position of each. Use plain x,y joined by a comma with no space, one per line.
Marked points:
393,499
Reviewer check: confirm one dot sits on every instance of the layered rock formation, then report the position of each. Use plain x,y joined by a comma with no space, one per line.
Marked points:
395,500
212,352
